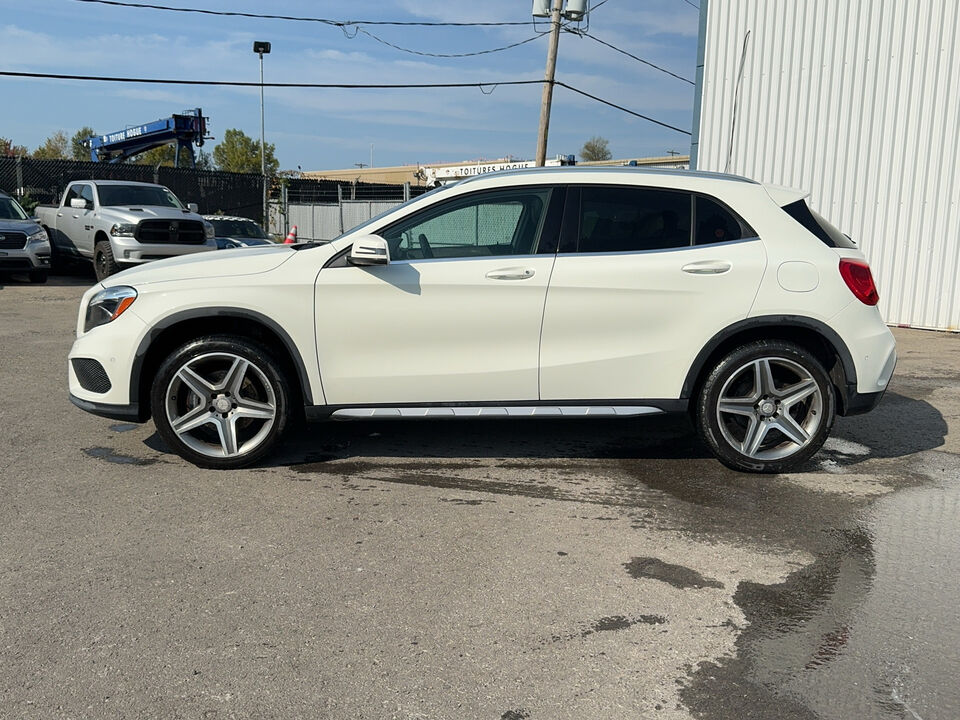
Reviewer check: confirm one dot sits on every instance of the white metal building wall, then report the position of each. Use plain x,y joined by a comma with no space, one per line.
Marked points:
856,101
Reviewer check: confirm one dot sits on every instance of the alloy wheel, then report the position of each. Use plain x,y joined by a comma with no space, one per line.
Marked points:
221,405
770,408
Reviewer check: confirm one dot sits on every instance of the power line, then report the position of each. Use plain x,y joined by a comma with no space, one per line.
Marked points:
630,55
346,86
620,107
691,4
324,21
443,55
241,83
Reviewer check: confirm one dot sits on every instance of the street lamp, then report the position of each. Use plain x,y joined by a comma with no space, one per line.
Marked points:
262,48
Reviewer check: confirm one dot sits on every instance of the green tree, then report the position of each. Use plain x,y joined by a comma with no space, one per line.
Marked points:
78,150
596,148
238,152
55,147
9,149
166,154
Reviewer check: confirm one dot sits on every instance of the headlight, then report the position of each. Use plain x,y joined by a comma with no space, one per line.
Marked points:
107,305
38,237
208,230
124,230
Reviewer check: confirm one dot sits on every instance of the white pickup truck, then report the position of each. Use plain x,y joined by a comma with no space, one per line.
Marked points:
116,224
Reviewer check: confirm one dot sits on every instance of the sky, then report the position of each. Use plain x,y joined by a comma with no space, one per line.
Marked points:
319,129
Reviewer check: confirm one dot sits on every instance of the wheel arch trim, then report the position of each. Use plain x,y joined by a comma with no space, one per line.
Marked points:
211,313
828,334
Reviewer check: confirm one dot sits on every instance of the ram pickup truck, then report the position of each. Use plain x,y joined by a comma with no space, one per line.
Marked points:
118,224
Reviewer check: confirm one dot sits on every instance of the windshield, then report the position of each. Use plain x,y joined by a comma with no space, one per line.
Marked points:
10,209
237,228
137,195
376,218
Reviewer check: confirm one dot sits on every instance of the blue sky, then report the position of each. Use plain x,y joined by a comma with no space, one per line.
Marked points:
326,128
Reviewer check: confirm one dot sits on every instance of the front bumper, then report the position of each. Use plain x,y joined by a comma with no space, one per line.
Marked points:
34,257
130,251
130,412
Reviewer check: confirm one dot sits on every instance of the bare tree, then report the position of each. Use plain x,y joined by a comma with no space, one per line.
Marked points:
596,148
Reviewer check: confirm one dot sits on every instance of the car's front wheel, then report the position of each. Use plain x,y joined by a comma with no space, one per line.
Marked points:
767,406
221,401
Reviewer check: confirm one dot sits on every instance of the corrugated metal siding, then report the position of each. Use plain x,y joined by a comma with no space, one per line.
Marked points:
857,101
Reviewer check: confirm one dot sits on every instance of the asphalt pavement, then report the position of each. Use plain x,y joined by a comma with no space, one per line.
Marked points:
472,569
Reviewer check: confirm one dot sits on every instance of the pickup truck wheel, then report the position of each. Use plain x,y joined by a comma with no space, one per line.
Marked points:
221,402
38,277
103,262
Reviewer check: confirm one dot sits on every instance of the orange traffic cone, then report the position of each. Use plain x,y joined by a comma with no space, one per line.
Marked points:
291,236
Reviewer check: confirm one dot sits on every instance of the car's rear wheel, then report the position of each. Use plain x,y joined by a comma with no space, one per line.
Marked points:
104,264
221,402
766,407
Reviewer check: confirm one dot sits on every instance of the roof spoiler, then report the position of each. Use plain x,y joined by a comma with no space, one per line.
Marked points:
784,196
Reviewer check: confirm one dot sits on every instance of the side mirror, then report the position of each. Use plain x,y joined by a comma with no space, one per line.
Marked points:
78,203
193,207
369,250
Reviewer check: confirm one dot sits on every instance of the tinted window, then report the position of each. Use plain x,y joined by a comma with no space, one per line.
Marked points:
827,233
496,223
137,195
86,192
237,228
616,219
10,209
716,224
76,191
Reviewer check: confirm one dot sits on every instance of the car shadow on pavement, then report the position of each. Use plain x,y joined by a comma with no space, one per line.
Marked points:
900,425
74,276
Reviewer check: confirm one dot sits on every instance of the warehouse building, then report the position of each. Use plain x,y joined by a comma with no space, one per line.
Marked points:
856,101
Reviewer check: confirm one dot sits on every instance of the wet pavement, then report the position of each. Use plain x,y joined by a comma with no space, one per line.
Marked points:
502,569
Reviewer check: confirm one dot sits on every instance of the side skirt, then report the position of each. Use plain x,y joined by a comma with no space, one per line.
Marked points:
592,409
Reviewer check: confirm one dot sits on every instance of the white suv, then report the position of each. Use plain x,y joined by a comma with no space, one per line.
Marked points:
567,292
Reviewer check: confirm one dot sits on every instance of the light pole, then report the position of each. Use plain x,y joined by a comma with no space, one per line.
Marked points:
262,48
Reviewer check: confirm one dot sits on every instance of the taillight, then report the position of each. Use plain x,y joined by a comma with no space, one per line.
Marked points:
856,274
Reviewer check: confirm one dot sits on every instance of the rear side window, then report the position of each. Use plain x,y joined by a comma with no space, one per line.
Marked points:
817,225
618,219
716,224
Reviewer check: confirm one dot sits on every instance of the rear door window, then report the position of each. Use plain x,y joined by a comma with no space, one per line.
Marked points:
716,224
625,219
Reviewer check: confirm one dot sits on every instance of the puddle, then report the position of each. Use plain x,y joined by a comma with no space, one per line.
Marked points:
869,630
112,456
678,576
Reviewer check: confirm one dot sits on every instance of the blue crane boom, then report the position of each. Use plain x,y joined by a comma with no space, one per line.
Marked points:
186,129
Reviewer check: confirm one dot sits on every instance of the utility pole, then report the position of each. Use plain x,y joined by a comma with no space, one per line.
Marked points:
262,48
548,82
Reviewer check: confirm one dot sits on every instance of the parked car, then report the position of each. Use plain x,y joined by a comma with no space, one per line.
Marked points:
120,224
233,232
24,246
573,292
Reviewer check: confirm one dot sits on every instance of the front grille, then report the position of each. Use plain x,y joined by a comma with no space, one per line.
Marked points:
91,375
181,232
12,240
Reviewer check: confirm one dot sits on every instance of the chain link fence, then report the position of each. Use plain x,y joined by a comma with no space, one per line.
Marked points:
43,181
322,209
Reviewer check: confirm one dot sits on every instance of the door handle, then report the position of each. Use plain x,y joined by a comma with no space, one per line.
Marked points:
514,273
708,267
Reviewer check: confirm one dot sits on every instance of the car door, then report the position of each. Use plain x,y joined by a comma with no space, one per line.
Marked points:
456,314
644,278
78,222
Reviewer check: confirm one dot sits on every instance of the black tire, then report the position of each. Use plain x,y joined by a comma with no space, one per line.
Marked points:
38,277
752,432
56,256
262,385
104,264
